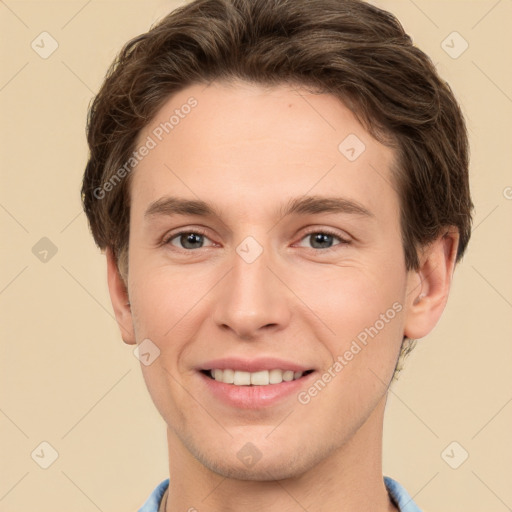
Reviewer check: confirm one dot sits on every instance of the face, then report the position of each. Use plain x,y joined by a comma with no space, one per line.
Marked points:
294,262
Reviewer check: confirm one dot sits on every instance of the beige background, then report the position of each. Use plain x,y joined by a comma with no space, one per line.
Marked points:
68,379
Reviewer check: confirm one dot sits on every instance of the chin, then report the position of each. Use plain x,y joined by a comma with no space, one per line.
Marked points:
260,472
269,464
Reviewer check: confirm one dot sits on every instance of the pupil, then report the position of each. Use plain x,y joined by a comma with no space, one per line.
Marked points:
322,238
191,238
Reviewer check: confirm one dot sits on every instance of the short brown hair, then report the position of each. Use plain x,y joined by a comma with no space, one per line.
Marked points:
348,48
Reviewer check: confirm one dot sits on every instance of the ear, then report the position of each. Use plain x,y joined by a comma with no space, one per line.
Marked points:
429,286
120,300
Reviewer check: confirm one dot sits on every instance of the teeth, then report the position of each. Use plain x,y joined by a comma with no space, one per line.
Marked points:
242,379
227,376
288,375
261,378
275,376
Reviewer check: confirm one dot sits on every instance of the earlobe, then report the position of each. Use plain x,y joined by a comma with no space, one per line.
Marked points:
119,298
429,286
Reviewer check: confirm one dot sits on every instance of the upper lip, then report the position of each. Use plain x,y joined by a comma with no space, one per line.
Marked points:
253,365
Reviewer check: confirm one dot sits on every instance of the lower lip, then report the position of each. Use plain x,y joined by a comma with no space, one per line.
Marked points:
254,397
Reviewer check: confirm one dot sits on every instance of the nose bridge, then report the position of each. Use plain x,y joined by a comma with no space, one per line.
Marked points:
252,297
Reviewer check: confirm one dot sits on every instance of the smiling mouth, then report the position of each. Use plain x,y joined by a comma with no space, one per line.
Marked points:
260,378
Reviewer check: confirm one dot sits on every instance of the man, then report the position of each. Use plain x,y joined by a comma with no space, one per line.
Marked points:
281,189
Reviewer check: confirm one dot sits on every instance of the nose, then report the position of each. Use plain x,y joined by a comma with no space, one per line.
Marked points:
252,299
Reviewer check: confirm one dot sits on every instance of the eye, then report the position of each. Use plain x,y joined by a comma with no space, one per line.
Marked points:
322,240
187,239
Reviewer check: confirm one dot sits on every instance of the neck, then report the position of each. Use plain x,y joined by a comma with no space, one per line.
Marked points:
348,479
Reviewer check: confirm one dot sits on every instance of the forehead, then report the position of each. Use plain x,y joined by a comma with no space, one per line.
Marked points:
244,143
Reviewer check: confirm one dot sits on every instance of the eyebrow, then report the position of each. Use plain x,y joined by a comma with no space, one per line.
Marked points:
312,205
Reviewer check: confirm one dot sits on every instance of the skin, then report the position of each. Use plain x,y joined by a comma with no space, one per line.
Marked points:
248,150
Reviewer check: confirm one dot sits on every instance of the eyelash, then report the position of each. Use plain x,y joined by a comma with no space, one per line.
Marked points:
167,240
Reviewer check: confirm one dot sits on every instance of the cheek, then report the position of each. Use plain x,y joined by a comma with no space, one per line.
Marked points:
163,306
163,298
360,326
170,307
348,299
